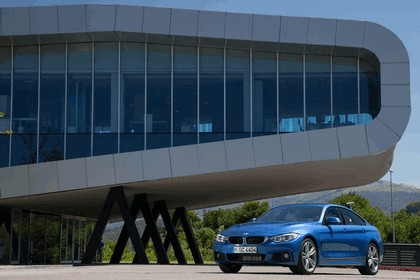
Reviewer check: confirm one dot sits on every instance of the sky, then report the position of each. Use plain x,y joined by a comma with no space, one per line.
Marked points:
401,17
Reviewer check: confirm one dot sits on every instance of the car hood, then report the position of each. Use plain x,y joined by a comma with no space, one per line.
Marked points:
264,229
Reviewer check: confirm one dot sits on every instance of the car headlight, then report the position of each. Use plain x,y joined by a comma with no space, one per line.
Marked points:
221,238
285,237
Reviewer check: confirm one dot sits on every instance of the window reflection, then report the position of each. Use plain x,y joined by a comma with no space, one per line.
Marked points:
318,92
370,102
264,94
185,96
5,105
132,97
158,96
79,100
211,95
238,107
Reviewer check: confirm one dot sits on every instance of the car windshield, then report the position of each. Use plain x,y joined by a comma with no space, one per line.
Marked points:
292,213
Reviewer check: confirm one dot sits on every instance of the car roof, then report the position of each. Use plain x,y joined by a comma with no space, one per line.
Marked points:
324,205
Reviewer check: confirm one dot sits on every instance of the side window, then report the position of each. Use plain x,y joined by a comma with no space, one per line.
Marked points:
351,218
332,212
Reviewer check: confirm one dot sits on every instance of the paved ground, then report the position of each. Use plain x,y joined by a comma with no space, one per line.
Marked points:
175,272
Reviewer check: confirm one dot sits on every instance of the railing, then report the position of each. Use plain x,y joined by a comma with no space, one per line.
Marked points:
401,254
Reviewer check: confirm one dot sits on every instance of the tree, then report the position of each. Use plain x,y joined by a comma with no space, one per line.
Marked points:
374,215
413,208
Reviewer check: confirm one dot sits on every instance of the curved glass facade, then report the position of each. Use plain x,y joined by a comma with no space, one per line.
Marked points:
84,99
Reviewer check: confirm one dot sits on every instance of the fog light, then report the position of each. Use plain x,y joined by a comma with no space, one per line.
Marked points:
286,256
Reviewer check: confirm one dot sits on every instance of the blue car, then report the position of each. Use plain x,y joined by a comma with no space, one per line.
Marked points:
301,237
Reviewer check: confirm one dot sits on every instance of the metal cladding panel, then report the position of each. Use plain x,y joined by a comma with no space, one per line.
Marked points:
266,28
100,171
43,177
322,31
238,26
350,33
43,20
156,20
240,154
380,137
375,36
294,30
156,164
295,147
72,174
324,144
211,24
184,160
100,17
15,21
212,157
72,19
128,167
352,141
395,118
267,150
14,181
129,19
184,22
395,73
395,95
392,52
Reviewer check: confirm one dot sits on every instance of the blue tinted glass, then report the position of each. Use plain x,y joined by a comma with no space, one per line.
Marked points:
211,95
79,100
5,85
51,124
345,100
370,99
264,94
105,106
237,94
158,96
132,97
185,95
290,93
25,105
318,93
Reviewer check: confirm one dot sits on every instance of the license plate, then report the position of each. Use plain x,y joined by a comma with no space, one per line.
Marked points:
245,250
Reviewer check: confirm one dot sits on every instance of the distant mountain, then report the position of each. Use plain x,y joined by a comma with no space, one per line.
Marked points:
379,194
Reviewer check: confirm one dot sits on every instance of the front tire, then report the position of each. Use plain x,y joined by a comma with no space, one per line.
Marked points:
308,258
230,268
372,261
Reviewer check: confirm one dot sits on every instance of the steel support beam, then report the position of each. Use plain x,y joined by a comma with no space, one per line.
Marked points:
115,195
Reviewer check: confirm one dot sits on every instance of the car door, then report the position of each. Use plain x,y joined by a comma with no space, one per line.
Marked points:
355,240
332,239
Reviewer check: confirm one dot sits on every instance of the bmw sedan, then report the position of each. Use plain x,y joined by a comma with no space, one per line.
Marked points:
301,237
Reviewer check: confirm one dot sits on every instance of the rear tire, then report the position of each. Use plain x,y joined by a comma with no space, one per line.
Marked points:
230,268
372,261
308,258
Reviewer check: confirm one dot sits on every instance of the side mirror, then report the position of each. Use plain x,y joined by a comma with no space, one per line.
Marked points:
252,220
333,221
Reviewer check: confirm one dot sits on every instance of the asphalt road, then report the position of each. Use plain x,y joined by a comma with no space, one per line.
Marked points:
175,272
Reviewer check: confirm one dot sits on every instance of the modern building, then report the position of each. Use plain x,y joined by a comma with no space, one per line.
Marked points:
193,108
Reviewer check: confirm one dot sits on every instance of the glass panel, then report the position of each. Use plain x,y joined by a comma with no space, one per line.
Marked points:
211,126
370,99
16,215
290,93
185,95
132,97
5,62
25,257
264,94
318,93
4,244
53,239
37,239
51,124
25,105
105,118
345,100
158,96
237,94
79,100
